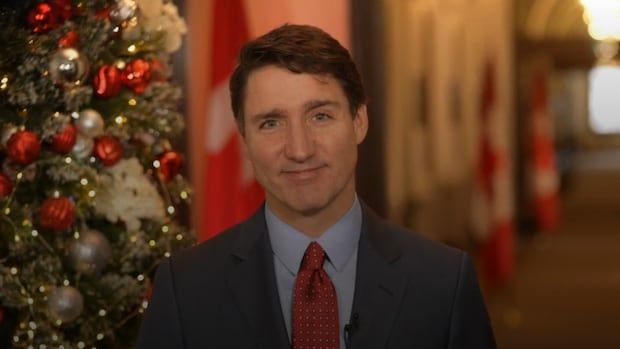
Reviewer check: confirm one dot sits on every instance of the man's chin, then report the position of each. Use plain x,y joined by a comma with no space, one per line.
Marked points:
301,205
306,208
309,211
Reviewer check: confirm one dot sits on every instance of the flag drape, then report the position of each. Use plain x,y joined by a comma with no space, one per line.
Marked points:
493,207
231,192
542,169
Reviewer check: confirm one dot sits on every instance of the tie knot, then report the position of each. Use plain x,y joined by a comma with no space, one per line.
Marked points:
313,258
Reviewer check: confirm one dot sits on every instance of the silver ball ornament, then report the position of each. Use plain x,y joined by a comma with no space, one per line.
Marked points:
65,303
68,67
90,123
83,147
90,253
123,10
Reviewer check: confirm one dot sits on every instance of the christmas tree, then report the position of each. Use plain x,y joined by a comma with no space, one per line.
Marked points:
90,184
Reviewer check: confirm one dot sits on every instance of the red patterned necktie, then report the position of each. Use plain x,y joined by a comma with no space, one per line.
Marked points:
315,306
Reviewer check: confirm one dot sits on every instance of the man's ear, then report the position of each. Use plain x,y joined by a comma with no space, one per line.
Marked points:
360,123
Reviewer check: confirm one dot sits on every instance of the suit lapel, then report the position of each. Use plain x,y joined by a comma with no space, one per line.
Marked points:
379,287
253,285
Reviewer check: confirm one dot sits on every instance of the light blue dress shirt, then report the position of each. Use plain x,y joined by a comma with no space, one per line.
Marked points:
340,243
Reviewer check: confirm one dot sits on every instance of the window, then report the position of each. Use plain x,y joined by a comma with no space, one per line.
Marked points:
604,99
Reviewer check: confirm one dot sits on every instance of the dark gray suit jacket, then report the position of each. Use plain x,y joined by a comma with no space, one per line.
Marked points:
410,292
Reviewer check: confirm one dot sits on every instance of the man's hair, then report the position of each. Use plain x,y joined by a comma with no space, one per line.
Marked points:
300,49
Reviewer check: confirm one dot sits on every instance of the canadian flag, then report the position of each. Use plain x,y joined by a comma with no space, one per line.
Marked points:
231,192
542,170
492,206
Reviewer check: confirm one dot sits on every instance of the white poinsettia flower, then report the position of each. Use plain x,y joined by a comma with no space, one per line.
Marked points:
160,16
150,8
175,29
130,196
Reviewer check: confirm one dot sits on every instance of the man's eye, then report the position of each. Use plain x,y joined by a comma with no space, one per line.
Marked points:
321,117
268,124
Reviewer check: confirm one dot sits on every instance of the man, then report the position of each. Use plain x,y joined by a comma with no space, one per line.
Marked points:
314,267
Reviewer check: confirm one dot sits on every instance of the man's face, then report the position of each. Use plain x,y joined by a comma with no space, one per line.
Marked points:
302,140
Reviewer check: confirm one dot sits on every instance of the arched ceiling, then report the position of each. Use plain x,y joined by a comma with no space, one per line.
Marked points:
540,20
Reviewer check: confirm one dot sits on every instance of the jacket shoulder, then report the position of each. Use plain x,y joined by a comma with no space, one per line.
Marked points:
209,255
419,251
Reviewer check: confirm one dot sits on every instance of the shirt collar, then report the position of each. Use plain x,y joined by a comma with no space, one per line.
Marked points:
339,241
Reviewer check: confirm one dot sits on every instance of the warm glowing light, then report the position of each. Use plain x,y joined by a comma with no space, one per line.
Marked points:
120,120
602,18
4,82
603,102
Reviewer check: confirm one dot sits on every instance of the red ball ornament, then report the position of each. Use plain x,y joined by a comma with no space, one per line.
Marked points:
103,13
170,164
108,149
6,186
64,141
23,147
63,9
46,16
42,18
57,213
137,75
70,39
107,82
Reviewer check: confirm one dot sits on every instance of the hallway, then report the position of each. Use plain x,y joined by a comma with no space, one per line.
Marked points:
566,293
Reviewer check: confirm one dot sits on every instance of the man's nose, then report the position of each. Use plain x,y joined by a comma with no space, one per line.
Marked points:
299,142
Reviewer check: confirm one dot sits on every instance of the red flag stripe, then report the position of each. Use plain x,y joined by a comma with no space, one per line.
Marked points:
230,32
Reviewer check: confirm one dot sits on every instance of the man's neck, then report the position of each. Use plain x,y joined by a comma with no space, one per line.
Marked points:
314,224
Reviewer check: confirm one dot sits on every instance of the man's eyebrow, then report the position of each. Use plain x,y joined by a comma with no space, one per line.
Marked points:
317,103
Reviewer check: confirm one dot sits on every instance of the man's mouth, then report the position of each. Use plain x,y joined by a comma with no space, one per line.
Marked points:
303,174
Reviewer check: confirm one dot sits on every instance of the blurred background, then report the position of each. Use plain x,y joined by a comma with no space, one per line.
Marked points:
494,127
